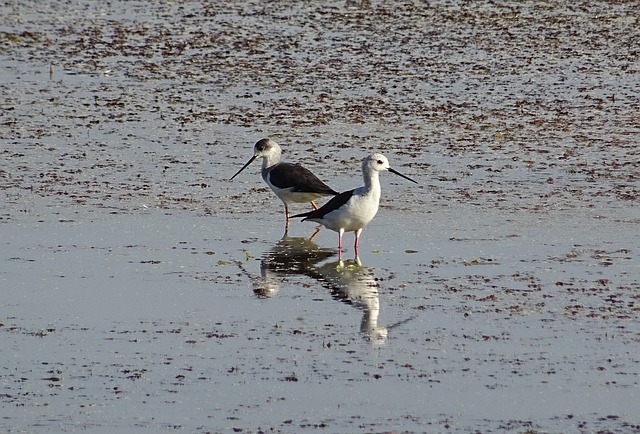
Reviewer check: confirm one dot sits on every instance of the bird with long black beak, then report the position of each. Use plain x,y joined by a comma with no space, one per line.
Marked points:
352,210
292,183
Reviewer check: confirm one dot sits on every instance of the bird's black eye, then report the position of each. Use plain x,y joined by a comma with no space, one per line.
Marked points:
379,161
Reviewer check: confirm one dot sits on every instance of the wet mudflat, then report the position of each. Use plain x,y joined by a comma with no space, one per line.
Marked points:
143,292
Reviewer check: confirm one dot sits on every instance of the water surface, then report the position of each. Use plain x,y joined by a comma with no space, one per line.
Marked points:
144,292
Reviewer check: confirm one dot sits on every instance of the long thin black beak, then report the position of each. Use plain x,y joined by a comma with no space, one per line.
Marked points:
395,172
244,167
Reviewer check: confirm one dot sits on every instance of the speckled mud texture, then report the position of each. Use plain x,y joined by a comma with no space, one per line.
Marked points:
141,291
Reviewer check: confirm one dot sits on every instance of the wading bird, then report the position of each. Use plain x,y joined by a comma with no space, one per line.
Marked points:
352,210
292,183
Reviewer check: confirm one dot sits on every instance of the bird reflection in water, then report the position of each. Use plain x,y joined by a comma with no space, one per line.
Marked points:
349,281
355,284
289,256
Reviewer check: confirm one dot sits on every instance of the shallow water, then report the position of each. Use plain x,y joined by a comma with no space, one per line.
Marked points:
144,292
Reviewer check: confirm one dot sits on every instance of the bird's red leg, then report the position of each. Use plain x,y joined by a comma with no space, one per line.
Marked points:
315,233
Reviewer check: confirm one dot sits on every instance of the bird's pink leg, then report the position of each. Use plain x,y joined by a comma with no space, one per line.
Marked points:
286,220
313,204
340,244
355,246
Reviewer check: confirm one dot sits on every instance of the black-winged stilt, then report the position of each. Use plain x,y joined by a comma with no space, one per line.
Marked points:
292,183
352,210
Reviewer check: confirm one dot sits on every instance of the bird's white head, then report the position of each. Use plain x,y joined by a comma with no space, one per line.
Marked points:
376,162
266,148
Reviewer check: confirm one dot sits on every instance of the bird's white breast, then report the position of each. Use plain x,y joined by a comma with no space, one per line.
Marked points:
355,214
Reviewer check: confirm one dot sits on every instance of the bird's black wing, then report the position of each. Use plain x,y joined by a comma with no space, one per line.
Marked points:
335,203
288,175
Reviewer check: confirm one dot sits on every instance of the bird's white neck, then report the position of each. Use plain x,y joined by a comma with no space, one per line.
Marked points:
271,159
371,181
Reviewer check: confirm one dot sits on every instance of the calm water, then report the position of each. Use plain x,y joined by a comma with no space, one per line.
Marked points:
144,292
